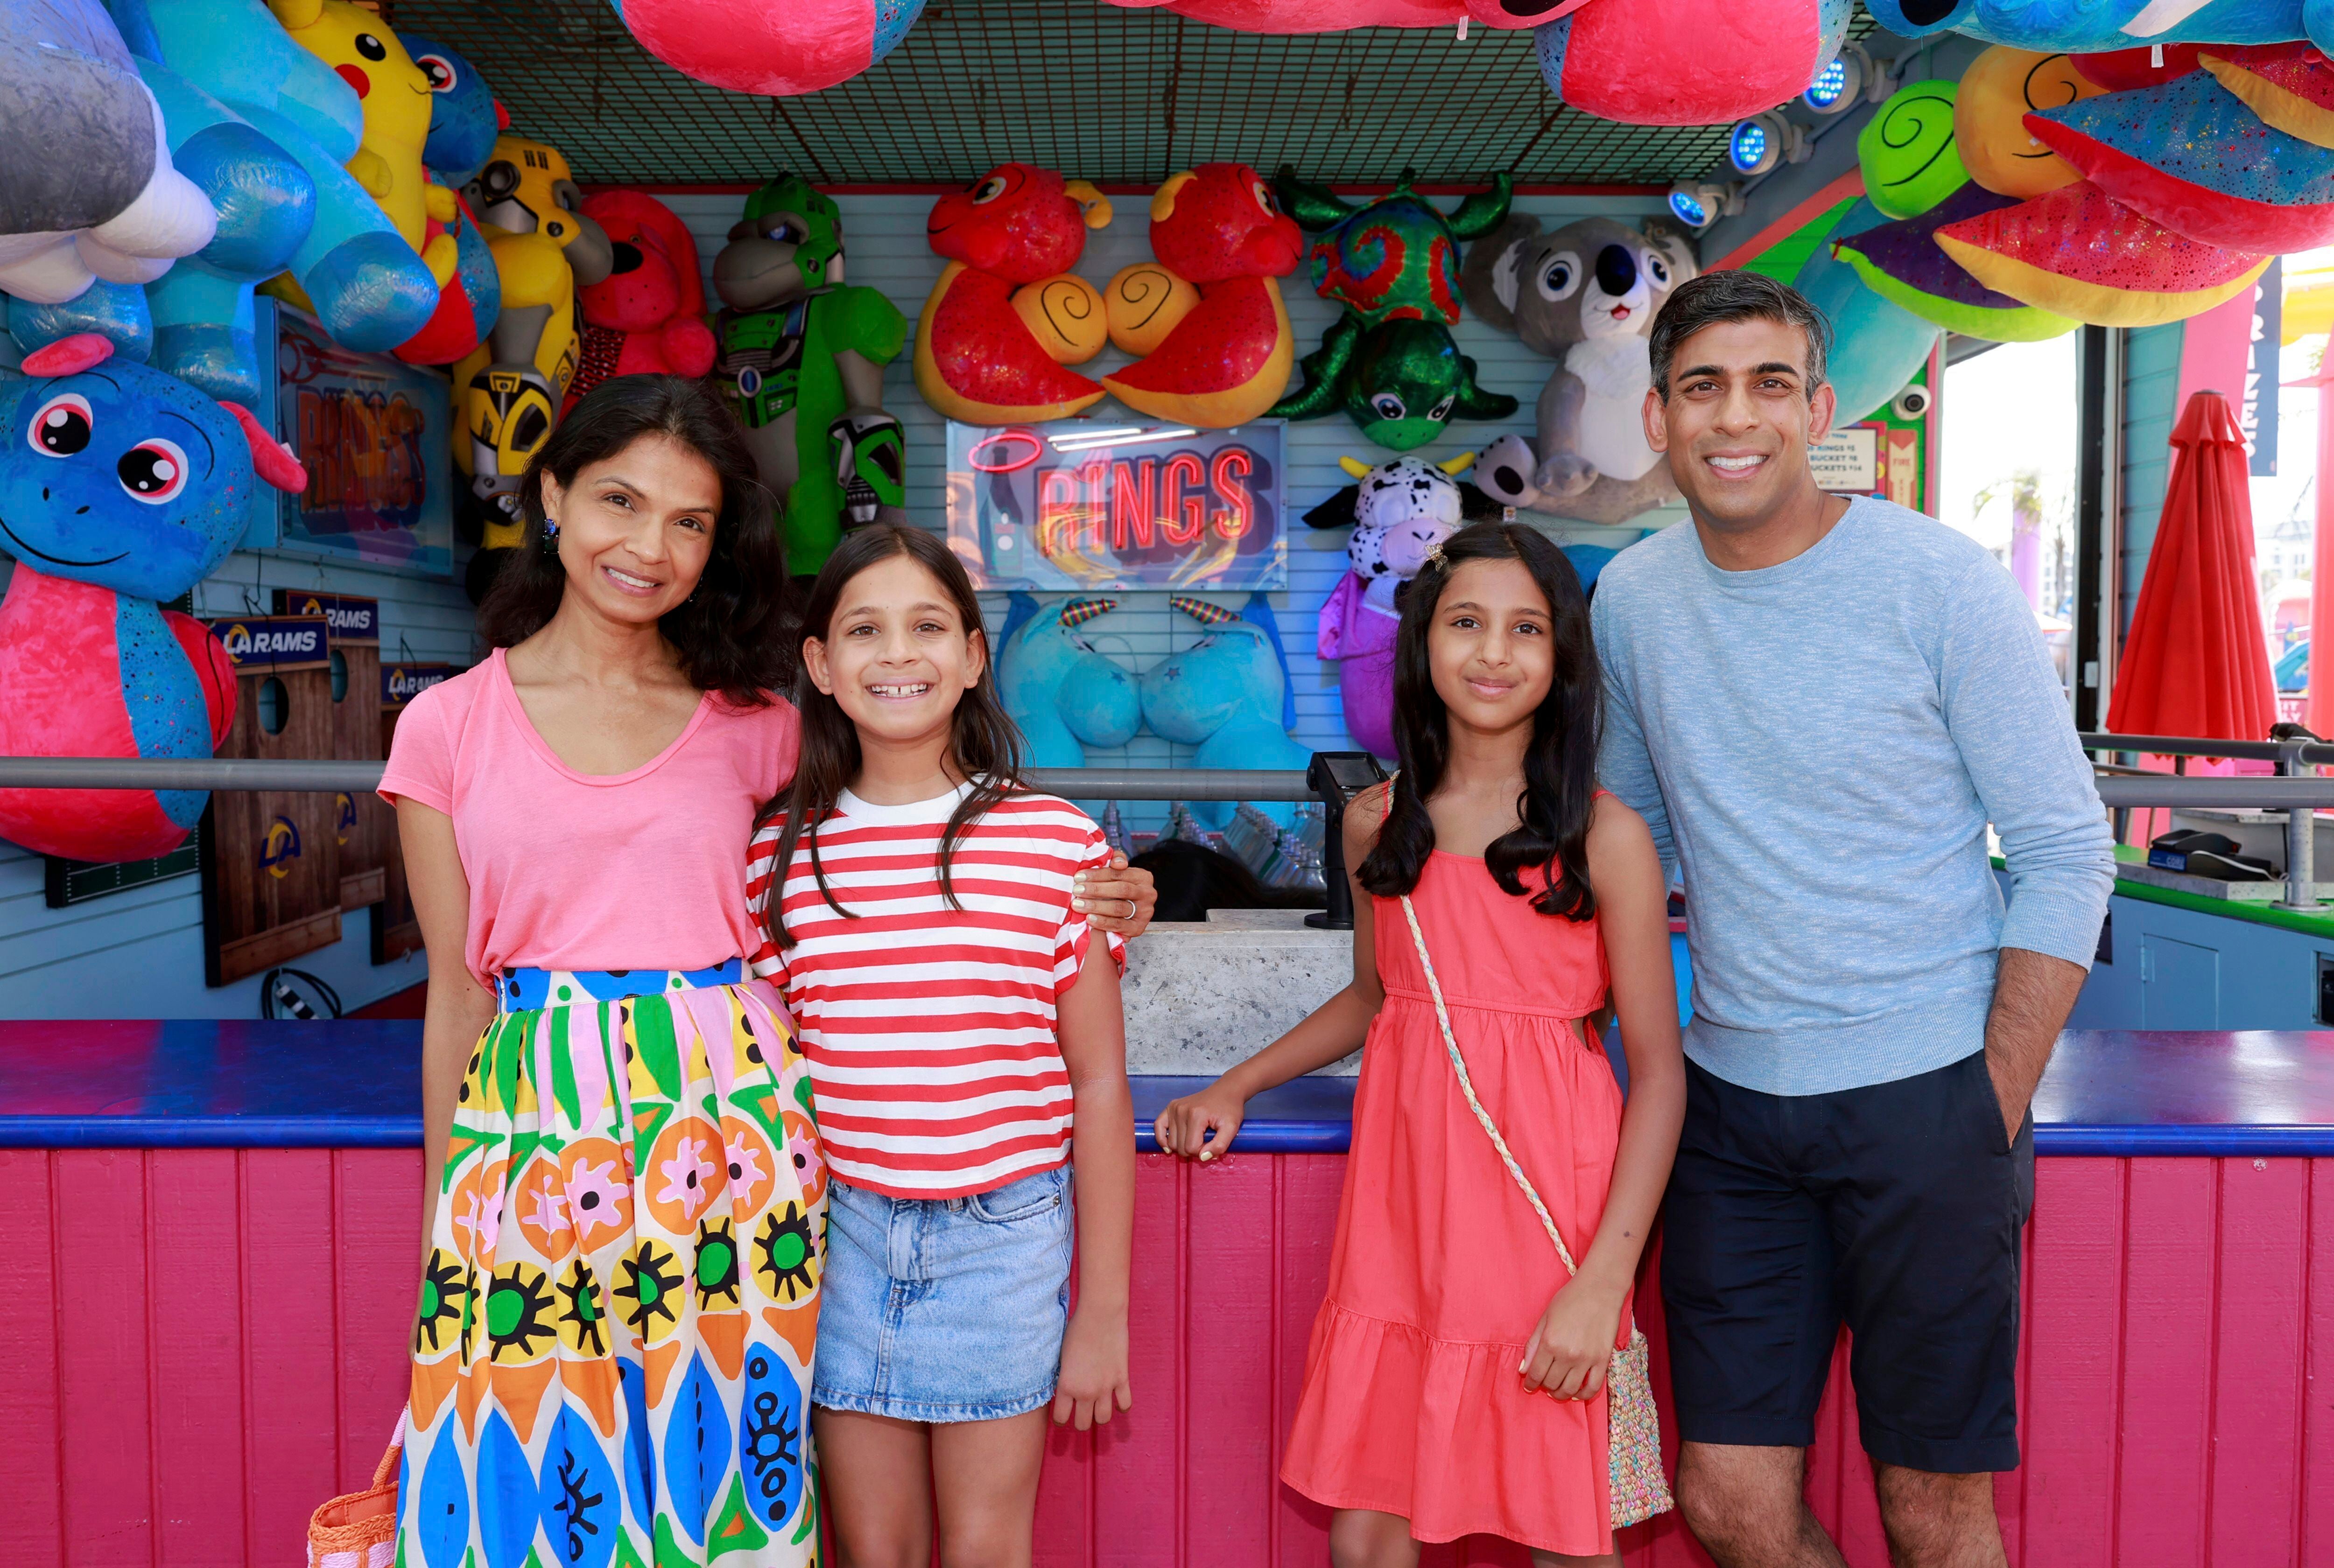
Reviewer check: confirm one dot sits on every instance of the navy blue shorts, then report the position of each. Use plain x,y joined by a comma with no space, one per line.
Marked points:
1898,1209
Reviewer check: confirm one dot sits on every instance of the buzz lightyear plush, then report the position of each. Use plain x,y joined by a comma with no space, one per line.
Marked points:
802,355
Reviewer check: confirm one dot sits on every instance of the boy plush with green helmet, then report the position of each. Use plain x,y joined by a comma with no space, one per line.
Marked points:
803,355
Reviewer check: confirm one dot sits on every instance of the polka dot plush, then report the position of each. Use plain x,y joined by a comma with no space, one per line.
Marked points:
2290,85
1902,263
2077,251
2193,157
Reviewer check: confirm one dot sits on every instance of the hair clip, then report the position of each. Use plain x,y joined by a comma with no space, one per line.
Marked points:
1434,557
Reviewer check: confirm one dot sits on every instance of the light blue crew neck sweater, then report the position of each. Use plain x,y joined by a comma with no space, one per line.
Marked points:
1818,747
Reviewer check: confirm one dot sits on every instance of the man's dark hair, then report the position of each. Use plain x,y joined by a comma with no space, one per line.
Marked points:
1735,295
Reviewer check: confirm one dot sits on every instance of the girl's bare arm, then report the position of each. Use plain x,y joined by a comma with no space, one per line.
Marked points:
1092,1026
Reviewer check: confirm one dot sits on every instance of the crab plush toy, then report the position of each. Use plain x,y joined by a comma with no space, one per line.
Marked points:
646,317
1206,318
117,488
1007,313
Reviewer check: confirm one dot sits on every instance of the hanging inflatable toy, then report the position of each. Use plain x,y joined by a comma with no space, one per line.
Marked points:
87,187
1398,511
1388,361
801,353
1877,345
2291,90
1584,296
1205,319
463,122
646,317
1908,152
2094,26
2191,155
2077,251
1007,313
369,286
1224,695
1686,62
121,487
1902,264
2001,88
1063,694
770,48
464,118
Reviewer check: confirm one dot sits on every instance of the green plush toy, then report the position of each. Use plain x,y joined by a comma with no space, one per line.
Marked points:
1389,361
803,355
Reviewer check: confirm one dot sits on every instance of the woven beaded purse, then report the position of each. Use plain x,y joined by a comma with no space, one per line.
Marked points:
1633,1426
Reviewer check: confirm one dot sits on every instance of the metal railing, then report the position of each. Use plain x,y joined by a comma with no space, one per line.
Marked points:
2296,791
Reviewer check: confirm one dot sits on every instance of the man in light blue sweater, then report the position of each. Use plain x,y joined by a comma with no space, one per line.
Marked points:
1817,704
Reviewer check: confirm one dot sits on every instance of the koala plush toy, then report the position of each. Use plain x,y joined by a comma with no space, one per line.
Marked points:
1584,296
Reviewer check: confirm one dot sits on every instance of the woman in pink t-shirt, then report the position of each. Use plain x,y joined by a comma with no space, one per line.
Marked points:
624,1216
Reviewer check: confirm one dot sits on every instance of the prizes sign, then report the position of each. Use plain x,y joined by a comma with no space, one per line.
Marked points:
1080,504
374,433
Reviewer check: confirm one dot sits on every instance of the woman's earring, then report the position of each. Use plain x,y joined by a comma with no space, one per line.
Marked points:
551,535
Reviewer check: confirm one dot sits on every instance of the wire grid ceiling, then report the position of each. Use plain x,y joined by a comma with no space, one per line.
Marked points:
1100,91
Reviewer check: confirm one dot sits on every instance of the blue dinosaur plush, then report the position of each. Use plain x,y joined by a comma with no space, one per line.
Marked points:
1224,695
1065,695
120,487
2089,26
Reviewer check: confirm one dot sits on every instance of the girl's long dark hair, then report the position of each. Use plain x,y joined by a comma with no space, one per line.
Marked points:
734,633
984,745
1559,792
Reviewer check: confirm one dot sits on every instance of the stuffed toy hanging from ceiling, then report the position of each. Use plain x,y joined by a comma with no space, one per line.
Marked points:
464,119
770,48
1205,320
122,487
2294,92
1388,361
2107,25
1584,296
647,316
1008,313
1688,61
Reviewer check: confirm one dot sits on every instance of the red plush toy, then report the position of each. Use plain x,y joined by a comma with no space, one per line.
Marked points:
646,317
1217,354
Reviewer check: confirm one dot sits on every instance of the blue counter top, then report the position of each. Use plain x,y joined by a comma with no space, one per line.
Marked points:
356,1084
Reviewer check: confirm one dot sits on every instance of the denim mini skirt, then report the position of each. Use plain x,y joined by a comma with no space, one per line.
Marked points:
945,1309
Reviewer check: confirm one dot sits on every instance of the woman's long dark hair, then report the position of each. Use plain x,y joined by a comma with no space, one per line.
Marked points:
734,633
984,745
1559,792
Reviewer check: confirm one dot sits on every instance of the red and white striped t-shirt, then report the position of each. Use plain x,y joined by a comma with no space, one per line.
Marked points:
930,1031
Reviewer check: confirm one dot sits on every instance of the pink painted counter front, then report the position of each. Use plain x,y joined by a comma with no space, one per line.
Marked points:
208,1240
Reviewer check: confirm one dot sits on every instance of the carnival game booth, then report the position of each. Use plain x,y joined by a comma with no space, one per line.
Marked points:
1192,326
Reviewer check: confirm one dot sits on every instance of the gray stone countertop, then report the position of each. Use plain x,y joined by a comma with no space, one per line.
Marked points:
1202,997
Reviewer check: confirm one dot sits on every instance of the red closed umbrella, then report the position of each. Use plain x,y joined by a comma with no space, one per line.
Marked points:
2195,663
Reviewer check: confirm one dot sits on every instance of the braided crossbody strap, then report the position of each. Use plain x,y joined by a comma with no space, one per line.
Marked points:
1467,1087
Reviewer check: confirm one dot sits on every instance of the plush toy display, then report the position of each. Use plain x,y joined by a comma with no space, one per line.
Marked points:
2077,251
1877,345
463,121
1224,695
464,118
1902,263
1688,63
120,487
2292,90
1584,296
2123,69
802,354
370,288
2001,88
646,317
1906,150
87,187
1063,694
1206,320
2191,155
1388,361
772,51
1007,313
1398,511
2080,26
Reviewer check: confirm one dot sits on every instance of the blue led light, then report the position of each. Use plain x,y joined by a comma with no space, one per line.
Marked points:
1828,84
1746,150
1689,209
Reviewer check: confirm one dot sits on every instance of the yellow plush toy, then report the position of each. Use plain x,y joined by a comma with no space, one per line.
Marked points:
396,98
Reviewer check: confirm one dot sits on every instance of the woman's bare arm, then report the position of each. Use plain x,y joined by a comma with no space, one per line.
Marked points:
458,1008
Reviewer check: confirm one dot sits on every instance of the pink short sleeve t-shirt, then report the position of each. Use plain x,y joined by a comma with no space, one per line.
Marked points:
638,870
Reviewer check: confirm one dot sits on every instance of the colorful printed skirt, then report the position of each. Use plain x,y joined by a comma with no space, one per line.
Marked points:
612,1359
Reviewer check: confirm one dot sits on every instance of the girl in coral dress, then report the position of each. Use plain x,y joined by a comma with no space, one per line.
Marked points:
1456,1383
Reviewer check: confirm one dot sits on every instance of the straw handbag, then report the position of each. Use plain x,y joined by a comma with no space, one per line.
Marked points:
1633,1427
359,1530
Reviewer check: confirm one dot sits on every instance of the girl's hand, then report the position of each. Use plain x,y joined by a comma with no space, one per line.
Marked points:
1183,1126
1571,1347
1115,898
1093,1386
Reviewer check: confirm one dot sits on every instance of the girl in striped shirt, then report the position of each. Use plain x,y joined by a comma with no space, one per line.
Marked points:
960,1022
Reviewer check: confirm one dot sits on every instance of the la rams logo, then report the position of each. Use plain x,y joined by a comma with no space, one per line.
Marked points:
345,804
280,848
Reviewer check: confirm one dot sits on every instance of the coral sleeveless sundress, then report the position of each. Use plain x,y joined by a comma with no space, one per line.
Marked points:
1412,1403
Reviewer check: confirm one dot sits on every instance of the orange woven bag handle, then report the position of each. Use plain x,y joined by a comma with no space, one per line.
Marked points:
359,1530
